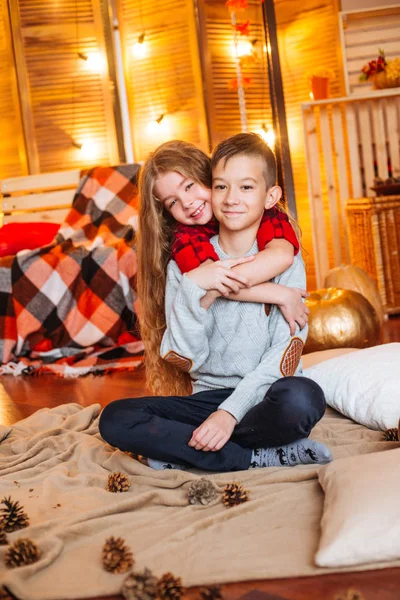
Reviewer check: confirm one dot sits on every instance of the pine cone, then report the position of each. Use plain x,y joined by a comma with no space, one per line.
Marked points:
211,593
391,435
21,552
169,587
3,537
117,556
139,457
140,586
13,516
201,491
234,494
118,482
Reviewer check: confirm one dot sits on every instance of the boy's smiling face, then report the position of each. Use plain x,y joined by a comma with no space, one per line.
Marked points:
239,194
186,200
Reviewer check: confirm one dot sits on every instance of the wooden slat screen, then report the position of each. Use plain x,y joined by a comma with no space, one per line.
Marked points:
217,43
364,32
301,27
65,99
166,79
12,151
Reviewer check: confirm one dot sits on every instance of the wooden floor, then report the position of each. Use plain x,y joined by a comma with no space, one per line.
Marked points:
22,396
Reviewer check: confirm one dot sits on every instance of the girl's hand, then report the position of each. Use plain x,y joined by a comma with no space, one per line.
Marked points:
213,434
293,308
220,276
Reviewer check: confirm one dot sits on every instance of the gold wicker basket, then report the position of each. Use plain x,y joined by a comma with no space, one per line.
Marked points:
373,226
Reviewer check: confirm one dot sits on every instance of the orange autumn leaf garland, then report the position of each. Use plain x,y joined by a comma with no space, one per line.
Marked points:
243,28
237,4
234,83
241,82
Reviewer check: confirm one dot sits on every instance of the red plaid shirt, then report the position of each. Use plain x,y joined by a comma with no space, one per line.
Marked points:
191,245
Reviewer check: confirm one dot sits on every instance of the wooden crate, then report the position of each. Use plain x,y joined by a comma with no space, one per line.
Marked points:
373,226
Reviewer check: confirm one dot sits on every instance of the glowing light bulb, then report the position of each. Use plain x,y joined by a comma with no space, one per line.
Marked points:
268,135
139,49
243,48
96,62
159,127
93,61
88,147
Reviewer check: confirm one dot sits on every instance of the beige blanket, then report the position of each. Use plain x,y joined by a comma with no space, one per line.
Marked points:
56,465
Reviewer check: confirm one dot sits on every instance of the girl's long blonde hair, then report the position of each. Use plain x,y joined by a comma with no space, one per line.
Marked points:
154,239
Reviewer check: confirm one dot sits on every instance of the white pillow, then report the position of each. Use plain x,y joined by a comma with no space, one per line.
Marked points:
363,385
314,358
361,520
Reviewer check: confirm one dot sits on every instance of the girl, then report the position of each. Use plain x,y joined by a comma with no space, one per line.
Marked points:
172,164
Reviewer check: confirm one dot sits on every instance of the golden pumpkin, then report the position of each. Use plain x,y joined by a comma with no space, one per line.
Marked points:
340,319
350,277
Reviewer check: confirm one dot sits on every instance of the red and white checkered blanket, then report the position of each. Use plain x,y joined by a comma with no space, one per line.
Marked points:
68,307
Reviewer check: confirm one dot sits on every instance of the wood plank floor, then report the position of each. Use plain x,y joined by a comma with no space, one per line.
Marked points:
20,397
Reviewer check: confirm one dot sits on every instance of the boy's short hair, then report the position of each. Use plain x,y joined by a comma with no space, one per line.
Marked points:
247,144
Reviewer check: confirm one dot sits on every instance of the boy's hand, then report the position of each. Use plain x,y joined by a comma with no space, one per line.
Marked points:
213,434
220,276
293,308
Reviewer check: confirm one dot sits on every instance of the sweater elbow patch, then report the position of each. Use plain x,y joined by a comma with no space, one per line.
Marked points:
181,362
291,357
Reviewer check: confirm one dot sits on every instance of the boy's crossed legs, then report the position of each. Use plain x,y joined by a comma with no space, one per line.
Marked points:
161,427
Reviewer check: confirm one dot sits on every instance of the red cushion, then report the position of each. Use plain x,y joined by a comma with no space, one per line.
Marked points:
26,236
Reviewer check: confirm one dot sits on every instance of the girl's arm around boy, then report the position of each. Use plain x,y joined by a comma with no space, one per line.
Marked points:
185,342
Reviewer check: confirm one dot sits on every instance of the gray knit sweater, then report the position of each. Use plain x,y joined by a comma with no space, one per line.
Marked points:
232,344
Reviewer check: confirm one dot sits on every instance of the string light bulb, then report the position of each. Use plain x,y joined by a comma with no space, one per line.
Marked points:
140,46
243,48
160,126
92,61
89,148
267,134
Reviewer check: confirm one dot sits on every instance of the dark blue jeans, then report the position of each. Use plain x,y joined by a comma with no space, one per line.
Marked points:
160,427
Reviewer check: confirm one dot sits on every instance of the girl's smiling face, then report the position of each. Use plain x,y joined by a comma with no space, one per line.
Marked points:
186,200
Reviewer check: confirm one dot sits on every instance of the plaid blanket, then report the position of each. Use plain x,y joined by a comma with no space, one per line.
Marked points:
69,307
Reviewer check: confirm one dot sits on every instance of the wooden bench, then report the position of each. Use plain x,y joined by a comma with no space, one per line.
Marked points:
47,197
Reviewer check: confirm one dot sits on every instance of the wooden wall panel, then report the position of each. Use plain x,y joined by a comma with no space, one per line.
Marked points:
12,149
308,36
65,99
217,42
163,74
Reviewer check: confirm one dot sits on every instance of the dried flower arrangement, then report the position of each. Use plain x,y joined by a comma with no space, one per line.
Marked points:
383,72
